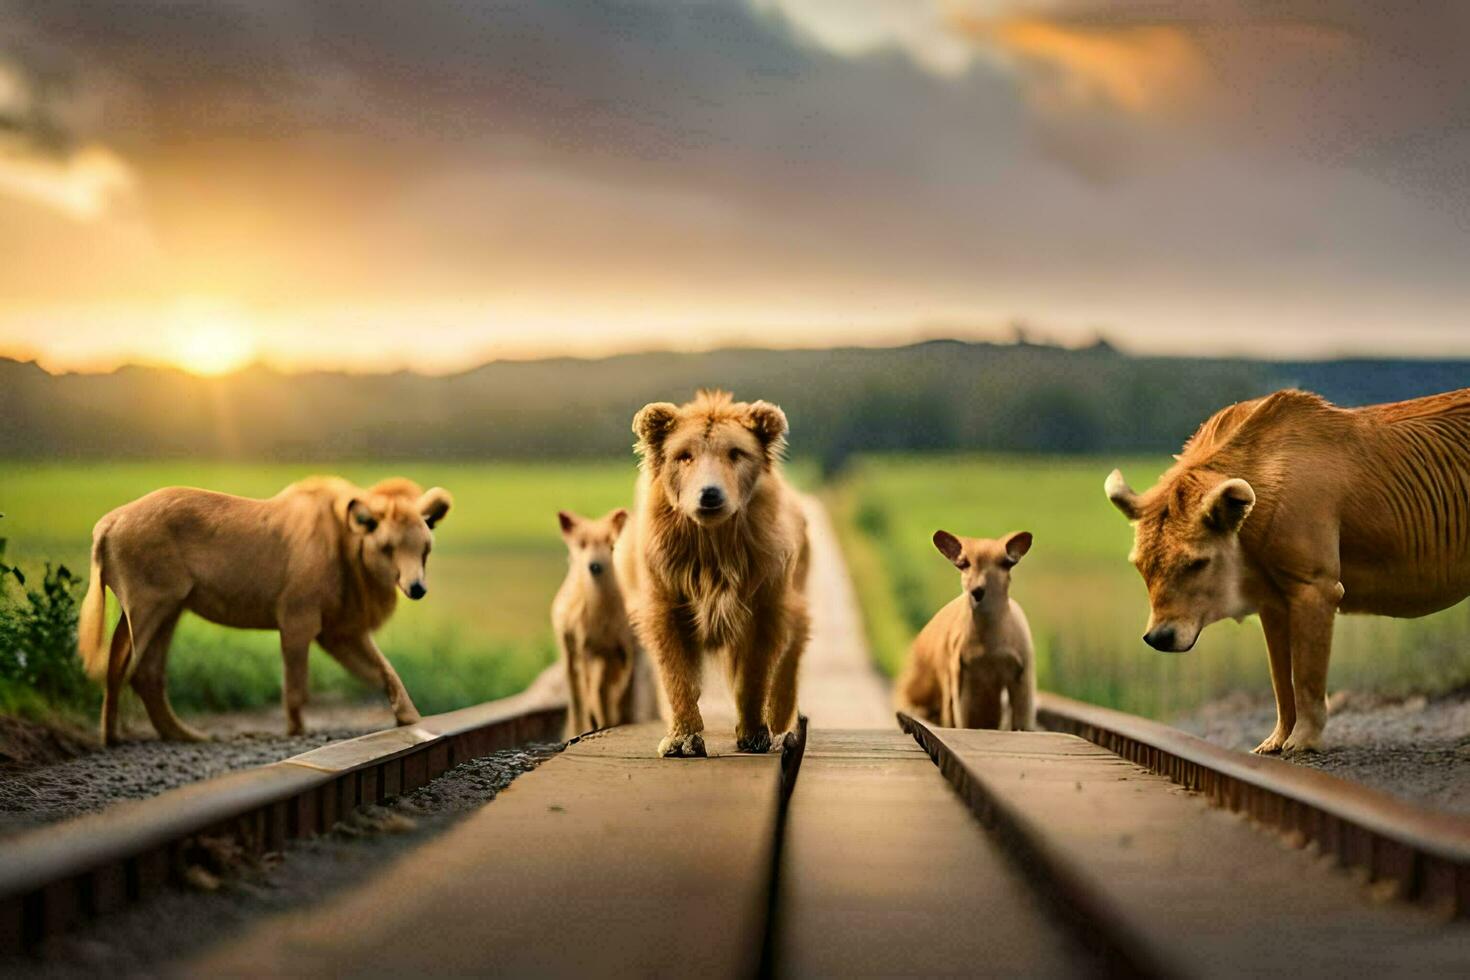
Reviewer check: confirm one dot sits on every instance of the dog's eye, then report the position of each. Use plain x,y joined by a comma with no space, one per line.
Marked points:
1198,565
388,550
684,457
736,455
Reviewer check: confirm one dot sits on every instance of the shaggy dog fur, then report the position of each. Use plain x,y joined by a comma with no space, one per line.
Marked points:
718,563
318,562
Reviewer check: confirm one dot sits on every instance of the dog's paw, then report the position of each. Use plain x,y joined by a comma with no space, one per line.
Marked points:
1302,741
409,718
758,741
677,746
1272,743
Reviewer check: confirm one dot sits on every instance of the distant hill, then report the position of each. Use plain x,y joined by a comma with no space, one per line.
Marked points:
938,395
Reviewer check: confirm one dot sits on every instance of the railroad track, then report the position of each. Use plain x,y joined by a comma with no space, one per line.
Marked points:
1104,845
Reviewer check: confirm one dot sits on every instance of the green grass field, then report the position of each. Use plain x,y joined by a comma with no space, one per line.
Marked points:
1086,604
483,632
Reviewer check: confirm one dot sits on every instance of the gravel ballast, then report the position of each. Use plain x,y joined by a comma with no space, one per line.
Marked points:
152,938
1417,748
135,771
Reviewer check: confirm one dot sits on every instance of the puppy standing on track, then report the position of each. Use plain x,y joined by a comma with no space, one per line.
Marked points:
977,646
591,626
718,559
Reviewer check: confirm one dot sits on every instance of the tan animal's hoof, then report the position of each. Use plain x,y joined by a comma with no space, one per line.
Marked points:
676,746
1269,746
1301,743
185,734
758,741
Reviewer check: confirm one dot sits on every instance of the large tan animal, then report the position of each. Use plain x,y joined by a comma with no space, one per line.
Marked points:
591,625
978,646
718,564
1296,509
320,561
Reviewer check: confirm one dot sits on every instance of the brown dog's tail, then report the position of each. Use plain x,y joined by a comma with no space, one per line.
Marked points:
92,624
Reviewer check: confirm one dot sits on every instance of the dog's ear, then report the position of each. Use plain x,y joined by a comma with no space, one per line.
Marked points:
434,504
948,545
360,517
1017,544
618,519
768,423
567,520
652,425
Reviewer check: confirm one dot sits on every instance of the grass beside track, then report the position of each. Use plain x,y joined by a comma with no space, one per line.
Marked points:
1086,604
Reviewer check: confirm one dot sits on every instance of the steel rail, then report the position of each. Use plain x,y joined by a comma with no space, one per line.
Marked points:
1423,854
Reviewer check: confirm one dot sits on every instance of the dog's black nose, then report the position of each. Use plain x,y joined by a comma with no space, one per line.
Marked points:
977,593
417,591
1160,638
711,497
595,567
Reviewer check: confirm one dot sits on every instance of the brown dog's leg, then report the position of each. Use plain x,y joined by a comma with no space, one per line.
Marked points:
1311,613
295,681
118,656
679,669
360,654
782,713
153,632
1276,622
577,723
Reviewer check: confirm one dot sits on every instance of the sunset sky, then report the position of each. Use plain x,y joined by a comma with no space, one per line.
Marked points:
381,185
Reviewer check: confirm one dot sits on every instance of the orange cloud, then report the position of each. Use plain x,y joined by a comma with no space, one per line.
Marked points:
1136,68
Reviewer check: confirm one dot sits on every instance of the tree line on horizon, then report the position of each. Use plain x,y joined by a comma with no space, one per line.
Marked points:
929,397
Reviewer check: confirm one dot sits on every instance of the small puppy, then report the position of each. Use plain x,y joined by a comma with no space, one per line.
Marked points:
591,625
977,645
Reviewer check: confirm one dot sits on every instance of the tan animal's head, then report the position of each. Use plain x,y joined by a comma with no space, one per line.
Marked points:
394,524
985,565
590,543
708,456
1186,545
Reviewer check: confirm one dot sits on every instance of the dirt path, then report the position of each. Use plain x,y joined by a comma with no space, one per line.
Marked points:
840,687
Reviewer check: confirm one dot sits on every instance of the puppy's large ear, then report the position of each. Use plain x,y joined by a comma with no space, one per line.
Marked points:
1227,506
360,517
567,520
652,425
1017,544
434,504
768,423
949,546
618,518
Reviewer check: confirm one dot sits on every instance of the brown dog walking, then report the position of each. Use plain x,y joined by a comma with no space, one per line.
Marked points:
320,561
718,559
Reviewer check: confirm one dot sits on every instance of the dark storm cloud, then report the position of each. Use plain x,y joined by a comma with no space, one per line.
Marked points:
1130,162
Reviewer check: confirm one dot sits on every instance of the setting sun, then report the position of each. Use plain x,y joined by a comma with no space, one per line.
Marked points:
212,342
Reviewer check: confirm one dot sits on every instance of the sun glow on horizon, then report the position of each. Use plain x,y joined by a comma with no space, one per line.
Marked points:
211,341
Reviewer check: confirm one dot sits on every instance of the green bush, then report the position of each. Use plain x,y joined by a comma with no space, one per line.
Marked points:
38,635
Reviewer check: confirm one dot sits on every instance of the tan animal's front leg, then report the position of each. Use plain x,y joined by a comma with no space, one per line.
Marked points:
679,668
1022,694
360,655
1276,623
577,723
1311,614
